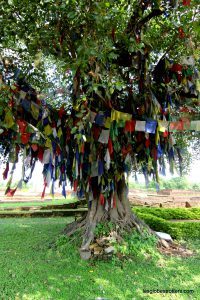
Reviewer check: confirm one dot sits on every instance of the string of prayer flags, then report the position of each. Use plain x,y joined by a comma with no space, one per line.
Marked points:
100,168
186,2
92,116
9,119
188,61
130,126
186,123
140,126
35,110
91,155
26,105
163,126
99,119
107,122
22,126
195,125
94,169
150,126
176,126
104,136
107,159
118,115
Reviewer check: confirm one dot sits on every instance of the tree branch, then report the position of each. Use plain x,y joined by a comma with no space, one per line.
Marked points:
153,14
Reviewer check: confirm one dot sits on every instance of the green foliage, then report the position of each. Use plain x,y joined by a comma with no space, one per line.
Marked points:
102,51
175,183
137,246
158,221
104,229
171,213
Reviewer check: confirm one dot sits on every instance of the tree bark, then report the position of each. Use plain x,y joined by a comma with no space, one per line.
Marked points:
120,214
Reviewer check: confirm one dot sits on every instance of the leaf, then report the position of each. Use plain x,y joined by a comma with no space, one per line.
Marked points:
74,129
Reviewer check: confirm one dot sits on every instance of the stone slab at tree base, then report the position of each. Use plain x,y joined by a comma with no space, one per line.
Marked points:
164,236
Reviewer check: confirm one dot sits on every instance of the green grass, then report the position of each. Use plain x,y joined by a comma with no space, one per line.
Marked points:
29,269
38,203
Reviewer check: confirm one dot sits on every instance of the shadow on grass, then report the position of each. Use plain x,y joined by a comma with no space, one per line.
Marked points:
29,269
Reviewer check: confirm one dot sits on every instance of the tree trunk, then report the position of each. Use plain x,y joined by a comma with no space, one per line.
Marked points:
119,214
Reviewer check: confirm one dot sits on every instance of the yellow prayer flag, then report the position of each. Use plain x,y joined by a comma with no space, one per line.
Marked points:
157,137
163,126
9,119
48,130
35,110
59,132
118,115
48,143
107,123
198,85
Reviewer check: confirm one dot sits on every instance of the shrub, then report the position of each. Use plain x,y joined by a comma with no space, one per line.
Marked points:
178,230
171,213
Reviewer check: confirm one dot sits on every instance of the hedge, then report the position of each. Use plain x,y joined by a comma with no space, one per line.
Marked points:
177,230
171,213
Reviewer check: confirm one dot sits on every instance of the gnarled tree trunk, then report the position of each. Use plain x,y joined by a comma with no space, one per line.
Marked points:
119,214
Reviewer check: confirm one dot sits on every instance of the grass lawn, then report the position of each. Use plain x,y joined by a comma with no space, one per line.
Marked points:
38,203
30,269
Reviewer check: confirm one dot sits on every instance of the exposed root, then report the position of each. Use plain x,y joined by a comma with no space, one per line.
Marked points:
174,249
120,216
73,227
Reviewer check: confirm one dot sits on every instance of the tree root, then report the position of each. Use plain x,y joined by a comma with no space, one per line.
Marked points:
121,217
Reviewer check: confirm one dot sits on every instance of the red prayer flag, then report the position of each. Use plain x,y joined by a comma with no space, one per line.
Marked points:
40,154
186,2
110,146
5,173
22,126
10,192
102,199
130,126
147,143
176,126
165,134
75,185
25,138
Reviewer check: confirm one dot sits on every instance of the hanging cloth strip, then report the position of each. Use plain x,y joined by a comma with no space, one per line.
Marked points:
35,110
176,126
130,126
195,125
5,172
8,189
100,119
92,116
140,126
150,126
118,115
104,136
163,126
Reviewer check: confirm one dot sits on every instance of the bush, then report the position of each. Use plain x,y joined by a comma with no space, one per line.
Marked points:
171,213
179,230
137,246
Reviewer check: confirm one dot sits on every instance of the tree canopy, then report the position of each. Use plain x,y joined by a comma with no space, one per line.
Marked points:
125,74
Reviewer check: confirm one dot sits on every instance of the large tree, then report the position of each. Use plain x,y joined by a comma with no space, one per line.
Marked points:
121,70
